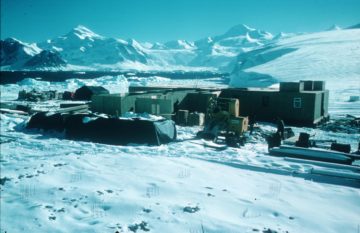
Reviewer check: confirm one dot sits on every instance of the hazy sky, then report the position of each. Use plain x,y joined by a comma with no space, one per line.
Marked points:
163,20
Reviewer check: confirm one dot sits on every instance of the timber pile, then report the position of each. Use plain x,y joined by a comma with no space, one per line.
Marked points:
26,110
37,96
313,154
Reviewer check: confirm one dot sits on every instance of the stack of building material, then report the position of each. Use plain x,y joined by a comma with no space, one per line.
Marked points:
196,118
312,154
230,105
346,148
238,124
291,86
36,96
303,140
182,117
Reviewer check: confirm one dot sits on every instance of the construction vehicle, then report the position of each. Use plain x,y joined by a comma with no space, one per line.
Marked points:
223,125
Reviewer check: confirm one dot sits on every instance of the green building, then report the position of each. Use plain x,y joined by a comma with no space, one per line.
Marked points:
154,100
297,103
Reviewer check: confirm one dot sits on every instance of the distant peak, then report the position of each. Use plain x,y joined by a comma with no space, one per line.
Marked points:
83,32
243,27
12,40
240,29
81,27
134,43
282,35
334,28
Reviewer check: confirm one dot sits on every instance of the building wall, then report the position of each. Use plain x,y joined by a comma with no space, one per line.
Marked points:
112,105
197,102
302,108
162,107
297,108
109,104
318,107
326,103
115,104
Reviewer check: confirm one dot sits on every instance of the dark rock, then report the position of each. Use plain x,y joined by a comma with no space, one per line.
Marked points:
46,59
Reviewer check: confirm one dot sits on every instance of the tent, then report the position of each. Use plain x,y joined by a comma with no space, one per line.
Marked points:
114,131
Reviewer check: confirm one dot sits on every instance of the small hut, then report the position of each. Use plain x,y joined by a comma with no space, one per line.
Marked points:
86,92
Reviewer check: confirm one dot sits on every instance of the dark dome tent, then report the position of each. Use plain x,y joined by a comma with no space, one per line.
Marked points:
113,131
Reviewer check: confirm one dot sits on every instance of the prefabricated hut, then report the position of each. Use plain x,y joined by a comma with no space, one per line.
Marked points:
297,103
157,101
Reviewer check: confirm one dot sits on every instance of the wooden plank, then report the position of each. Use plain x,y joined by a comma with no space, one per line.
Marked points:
80,108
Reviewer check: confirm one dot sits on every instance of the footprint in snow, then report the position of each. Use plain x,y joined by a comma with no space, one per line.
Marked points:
61,210
94,222
190,209
143,226
106,207
276,214
100,193
3,180
59,164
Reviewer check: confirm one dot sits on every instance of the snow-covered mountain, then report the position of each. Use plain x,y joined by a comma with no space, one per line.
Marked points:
85,48
239,48
179,44
82,47
333,56
15,53
220,51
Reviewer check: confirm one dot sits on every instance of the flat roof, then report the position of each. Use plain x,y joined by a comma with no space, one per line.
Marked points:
254,89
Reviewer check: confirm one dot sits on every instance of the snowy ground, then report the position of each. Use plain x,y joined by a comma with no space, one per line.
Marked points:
58,185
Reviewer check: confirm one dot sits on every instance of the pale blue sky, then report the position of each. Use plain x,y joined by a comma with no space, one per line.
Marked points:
163,20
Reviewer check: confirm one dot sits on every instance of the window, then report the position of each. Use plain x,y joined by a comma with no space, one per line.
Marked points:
297,103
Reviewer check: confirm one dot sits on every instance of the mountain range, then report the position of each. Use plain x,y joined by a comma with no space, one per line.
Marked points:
83,49
251,54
